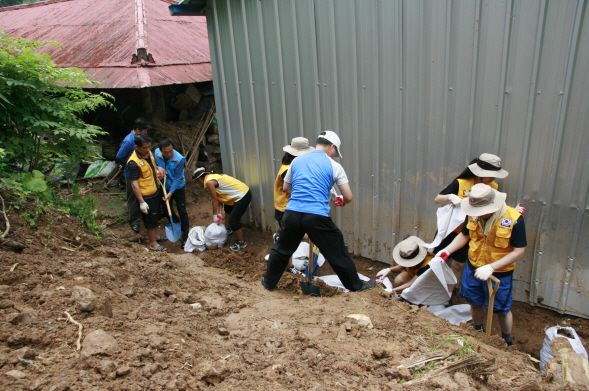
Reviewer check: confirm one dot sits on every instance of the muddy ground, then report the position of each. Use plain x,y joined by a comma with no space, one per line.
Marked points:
181,321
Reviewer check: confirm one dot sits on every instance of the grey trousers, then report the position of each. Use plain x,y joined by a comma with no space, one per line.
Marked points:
132,205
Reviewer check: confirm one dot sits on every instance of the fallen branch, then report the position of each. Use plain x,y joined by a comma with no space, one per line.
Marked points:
5,219
80,327
13,267
433,356
474,365
66,248
75,241
13,244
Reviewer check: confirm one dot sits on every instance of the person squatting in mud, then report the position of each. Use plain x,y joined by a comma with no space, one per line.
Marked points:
497,235
309,181
234,195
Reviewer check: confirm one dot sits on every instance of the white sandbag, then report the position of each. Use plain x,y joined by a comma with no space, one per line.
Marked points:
431,288
196,240
551,333
455,314
215,233
300,258
100,169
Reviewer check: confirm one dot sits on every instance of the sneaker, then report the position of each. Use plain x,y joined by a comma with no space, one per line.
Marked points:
264,284
135,228
367,285
229,231
291,270
275,237
238,246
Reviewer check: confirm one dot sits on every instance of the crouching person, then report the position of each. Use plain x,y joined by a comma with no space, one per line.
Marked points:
233,194
412,261
497,237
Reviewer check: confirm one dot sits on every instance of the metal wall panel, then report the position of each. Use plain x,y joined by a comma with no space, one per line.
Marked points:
416,89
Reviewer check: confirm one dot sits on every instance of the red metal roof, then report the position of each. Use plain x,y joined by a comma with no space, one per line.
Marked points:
101,37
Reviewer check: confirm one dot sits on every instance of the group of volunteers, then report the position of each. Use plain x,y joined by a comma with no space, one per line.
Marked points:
152,179
489,241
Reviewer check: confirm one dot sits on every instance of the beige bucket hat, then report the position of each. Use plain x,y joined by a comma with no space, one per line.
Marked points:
482,199
409,252
488,165
298,146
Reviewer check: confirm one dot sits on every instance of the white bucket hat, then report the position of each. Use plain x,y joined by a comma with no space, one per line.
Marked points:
488,165
409,252
482,200
298,146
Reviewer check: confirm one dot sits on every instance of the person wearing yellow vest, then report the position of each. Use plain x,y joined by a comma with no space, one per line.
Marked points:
143,173
497,235
412,261
234,195
483,169
297,147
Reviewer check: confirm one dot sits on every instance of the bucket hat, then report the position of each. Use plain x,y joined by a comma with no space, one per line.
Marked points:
482,199
409,252
488,165
298,146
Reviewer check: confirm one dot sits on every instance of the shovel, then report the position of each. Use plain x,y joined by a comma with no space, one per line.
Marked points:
173,230
492,293
307,287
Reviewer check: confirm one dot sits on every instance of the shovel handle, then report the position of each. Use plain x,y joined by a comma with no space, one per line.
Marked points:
310,259
492,292
166,195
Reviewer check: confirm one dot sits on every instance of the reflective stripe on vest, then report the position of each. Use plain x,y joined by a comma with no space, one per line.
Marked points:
483,249
280,197
146,180
464,186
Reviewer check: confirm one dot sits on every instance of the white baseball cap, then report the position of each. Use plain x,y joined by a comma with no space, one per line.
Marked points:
332,138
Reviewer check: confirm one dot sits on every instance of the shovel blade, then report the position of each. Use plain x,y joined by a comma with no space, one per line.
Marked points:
173,231
310,289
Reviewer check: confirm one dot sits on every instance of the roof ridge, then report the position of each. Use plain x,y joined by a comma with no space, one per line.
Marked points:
32,5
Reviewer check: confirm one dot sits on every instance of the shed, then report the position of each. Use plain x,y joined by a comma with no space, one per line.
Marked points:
416,89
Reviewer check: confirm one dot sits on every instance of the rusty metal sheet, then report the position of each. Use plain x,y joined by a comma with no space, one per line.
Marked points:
100,36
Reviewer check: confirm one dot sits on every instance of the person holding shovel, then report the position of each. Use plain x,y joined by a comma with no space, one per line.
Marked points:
497,235
309,181
173,162
483,169
143,174
234,195
125,151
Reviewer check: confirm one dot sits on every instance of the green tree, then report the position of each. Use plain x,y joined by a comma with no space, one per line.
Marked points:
8,3
41,106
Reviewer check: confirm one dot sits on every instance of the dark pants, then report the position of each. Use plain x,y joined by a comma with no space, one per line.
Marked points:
132,204
237,210
153,215
179,198
324,234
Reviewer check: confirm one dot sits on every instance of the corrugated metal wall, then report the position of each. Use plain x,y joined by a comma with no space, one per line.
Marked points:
416,89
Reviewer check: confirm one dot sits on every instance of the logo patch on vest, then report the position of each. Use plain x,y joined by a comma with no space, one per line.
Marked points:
141,163
505,222
465,193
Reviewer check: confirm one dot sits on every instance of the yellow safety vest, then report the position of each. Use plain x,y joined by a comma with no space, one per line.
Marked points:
280,197
488,249
414,269
229,189
147,183
464,186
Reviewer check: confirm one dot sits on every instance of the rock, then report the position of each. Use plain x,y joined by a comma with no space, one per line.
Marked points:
13,318
99,343
15,374
23,353
127,291
16,339
380,353
223,331
85,298
106,309
196,306
150,369
123,371
215,373
444,382
27,318
462,380
5,304
105,367
157,341
360,320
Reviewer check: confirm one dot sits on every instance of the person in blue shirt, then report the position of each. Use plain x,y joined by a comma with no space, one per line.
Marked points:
309,180
173,162
127,147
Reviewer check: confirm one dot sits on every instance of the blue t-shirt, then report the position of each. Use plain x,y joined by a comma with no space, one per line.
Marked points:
312,179
127,148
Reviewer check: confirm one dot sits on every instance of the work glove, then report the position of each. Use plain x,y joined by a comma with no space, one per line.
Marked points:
383,273
520,208
484,272
144,207
455,200
444,254
217,218
339,201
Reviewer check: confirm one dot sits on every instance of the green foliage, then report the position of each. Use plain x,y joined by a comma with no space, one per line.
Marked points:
466,345
8,3
41,106
82,208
